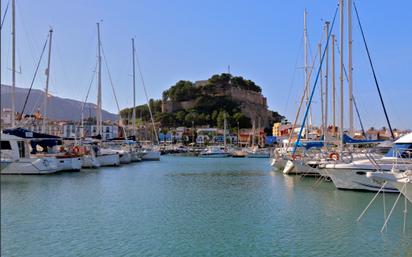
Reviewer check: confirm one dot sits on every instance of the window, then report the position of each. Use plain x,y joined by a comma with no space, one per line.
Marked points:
5,145
22,149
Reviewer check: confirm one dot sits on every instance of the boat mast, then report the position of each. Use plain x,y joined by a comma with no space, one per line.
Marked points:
326,82
224,129
350,68
13,65
306,87
333,85
322,110
47,84
99,86
341,71
134,91
254,133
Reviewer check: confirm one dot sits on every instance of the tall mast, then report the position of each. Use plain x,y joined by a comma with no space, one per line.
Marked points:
47,84
306,87
322,110
350,68
333,85
13,64
224,130
99,86
134,91
341,7
326,80
254,133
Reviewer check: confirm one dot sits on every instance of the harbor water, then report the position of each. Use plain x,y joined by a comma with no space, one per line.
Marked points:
187,206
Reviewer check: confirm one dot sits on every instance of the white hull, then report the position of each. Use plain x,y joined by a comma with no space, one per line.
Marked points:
214,155
90,162
31,166
298,167
125,158
151,156
355,179
4,164
405,187
69,164
108,160
279,163
135,157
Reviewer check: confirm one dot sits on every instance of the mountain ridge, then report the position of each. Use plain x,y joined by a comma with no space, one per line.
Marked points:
59,108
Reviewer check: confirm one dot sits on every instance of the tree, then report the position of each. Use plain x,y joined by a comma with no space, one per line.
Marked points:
244,122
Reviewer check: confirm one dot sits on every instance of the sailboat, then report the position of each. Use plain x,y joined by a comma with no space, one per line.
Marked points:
105,157
16,158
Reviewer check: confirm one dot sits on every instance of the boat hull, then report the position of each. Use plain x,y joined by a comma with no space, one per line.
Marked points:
356,179
31,166
69,164
108,160
151,156
90,162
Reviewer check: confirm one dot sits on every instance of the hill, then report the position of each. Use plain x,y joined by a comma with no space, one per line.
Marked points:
207,102
58,108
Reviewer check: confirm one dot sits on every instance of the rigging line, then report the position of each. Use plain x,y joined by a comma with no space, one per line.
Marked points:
316,81
373,71
307,84
34,77
293,75
30,41
88,90
147,98
358,114
4,15
111,84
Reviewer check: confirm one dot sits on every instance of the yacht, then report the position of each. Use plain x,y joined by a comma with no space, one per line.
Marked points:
44,145
214,152
17,159
353,175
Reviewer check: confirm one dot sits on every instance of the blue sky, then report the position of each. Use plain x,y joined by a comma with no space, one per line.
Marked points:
191,40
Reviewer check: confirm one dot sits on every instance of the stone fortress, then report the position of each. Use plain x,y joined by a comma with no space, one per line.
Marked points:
253,104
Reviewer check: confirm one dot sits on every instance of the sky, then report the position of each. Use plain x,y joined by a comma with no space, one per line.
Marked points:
192,40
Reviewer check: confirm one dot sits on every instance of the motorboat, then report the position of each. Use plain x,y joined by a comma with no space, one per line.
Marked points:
17,159
353,175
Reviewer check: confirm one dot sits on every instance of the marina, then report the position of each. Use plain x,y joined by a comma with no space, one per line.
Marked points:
223,206
122,135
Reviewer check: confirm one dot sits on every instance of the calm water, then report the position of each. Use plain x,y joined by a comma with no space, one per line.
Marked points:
193,207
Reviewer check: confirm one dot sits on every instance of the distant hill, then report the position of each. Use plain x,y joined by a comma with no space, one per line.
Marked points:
58,108
209,102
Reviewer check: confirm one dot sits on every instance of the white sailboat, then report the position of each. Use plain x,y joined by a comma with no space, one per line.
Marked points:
105,157
17,159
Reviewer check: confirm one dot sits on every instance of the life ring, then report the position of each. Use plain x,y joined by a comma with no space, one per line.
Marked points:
297,156
334,156
61,149
76,150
